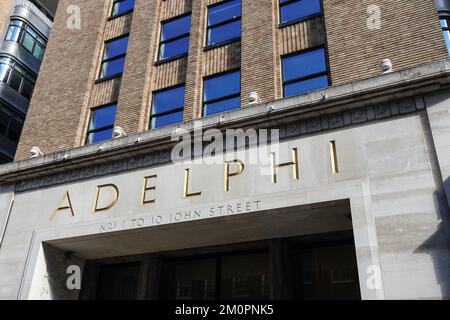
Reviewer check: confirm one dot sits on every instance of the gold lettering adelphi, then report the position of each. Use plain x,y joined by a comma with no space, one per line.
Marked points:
146,188
112,203
186,193
228,174
334,159
293,163
64,204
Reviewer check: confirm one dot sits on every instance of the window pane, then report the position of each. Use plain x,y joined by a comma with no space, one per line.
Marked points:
299,9
168,100
39,51
31,32
4,120
27,89
246,277
17,23
122,6
225,32
168,119
222,106
116,48
28,41
103,117
447,40
4,72
304,86
100,136
15,80
222,86
13,34
176,28
14,131
112,68
304,64
174,48
444,25
223,12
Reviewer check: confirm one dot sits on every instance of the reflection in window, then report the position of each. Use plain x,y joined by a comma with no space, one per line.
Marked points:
11,123
168,107
224,22
445,24
246,277
195,280
305,72
222,93
114,57
27,37
298,10
101,124
121,7
17,77
241,287
175,38
240,277
343,275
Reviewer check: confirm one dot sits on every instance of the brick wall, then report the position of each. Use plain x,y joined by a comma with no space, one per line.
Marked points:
5,10
409,35
66,88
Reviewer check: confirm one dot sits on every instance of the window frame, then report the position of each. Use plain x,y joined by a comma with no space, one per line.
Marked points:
219,24
11,64
104,128
103,60
184,35
24,26
14,117
298,20
113,16
230,96
308,77
445,31
161,114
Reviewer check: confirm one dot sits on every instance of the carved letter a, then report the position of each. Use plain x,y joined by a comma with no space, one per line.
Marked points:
64,204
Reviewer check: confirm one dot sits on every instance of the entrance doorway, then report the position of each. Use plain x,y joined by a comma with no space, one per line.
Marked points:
301,268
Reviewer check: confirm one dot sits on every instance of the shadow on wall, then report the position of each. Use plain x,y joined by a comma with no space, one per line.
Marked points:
438,245
57,263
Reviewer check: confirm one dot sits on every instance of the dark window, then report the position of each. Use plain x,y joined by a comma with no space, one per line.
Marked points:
224,22
114,57
20,32
101,124
175,38
11,123
121,7
118,282
168,107
17,77
244,276
222,93
445,25
304,72
297,10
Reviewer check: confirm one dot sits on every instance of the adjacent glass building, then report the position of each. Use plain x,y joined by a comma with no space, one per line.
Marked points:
22,48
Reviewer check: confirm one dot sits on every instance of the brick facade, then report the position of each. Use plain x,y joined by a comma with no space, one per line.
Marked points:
409,35
66,88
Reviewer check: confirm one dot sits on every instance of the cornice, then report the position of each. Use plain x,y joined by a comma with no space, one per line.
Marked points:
379,98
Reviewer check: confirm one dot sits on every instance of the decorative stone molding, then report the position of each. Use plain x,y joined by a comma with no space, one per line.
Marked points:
288,131
38,13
